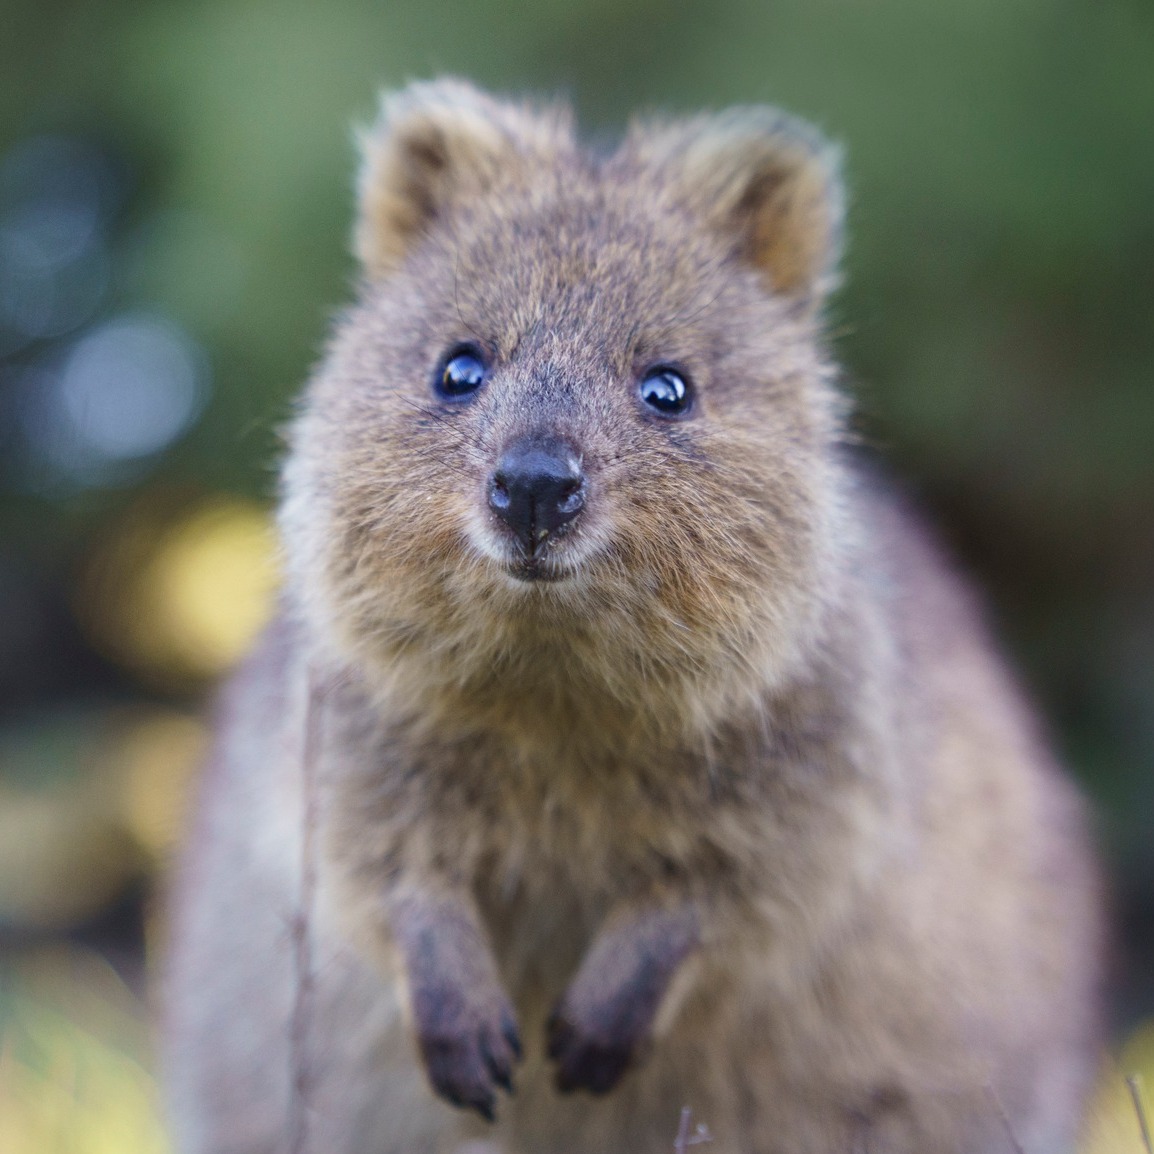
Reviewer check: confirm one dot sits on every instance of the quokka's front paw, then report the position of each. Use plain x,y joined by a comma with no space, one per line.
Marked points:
604,1021
593,1050
469,1043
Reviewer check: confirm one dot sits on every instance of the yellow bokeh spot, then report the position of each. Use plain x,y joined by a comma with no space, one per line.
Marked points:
63,856
181,600
158,759
72,841
208,590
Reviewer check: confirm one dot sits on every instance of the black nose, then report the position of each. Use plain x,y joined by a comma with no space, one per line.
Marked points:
536,488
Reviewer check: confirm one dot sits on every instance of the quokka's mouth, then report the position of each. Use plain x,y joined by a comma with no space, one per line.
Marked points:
546,564
535,570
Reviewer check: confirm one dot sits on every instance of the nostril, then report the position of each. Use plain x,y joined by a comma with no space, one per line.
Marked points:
499,493
571,496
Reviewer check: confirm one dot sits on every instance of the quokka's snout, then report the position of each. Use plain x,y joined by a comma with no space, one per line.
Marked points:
537,490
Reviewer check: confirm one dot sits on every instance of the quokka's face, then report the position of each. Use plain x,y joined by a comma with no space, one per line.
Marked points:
574,384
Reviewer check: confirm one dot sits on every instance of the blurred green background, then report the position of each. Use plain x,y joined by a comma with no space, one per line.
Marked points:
175,192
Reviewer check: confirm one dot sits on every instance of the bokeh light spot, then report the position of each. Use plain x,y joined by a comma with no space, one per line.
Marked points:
157,758
181,601
56,195
65,853
126,391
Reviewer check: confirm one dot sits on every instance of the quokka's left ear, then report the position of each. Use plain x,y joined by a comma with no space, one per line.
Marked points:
766,179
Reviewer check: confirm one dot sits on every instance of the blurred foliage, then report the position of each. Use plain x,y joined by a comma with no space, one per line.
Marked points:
90,801
175,195
73,1054
1114,1125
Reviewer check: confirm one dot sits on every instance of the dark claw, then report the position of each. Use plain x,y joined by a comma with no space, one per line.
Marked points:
484,1104
458,1076
512,1036
499,1066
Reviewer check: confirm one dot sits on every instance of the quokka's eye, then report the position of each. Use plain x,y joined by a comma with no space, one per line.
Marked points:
461,373
666,391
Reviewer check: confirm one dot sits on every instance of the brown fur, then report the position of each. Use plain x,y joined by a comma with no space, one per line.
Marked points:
733,808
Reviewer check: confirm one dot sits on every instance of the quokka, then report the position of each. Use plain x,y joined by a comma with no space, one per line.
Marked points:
645,751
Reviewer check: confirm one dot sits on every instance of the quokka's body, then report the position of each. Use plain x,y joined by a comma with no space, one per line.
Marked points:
640,728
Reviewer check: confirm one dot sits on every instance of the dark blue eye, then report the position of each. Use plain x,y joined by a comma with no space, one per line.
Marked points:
666,390
461,374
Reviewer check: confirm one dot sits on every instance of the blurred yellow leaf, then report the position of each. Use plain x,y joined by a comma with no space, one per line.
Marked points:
1113,1126
158,758
180,598
66,1085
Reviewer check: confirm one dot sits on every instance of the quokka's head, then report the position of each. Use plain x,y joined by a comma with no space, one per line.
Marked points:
579,407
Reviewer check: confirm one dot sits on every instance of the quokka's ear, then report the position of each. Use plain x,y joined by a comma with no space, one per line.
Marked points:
768,180
435,144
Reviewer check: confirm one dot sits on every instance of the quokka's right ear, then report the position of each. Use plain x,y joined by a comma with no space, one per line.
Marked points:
435,145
